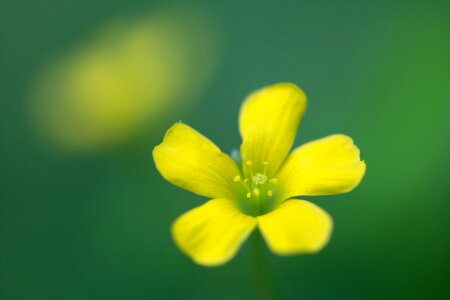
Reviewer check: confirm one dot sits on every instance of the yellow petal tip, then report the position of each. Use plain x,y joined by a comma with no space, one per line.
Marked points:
296,227
212,233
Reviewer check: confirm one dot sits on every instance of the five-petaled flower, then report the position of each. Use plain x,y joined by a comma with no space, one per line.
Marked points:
256,190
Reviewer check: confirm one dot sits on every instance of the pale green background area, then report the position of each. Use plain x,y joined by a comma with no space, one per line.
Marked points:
98,226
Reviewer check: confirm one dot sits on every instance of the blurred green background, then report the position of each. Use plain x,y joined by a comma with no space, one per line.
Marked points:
93,222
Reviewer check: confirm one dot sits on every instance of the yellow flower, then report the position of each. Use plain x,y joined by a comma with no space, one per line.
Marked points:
258,191
133,73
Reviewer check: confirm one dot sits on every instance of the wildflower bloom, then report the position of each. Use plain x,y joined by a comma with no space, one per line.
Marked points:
126,78
256,189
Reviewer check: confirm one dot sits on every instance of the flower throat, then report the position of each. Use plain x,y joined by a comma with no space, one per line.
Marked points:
256,192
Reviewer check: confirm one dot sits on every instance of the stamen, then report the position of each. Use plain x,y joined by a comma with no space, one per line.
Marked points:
237,178
250,169
255,183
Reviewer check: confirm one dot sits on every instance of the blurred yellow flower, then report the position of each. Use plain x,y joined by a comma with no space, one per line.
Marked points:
133,72
258,191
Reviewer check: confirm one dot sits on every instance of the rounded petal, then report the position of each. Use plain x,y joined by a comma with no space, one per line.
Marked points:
191,161
327,166
211,234
295,227
268,124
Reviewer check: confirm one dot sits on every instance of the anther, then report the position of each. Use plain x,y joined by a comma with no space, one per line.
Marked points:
249,163
269,193
265,163
249,195
256,192
237,178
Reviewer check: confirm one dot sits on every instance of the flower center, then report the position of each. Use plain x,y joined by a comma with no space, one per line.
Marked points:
256,192
259,178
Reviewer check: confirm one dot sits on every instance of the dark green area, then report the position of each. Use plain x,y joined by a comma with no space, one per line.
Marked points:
98,226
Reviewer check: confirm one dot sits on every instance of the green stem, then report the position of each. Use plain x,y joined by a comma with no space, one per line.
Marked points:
263,279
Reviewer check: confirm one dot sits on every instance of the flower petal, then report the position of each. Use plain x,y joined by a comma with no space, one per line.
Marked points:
268,123
191,161
296,226
211,234
327,166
